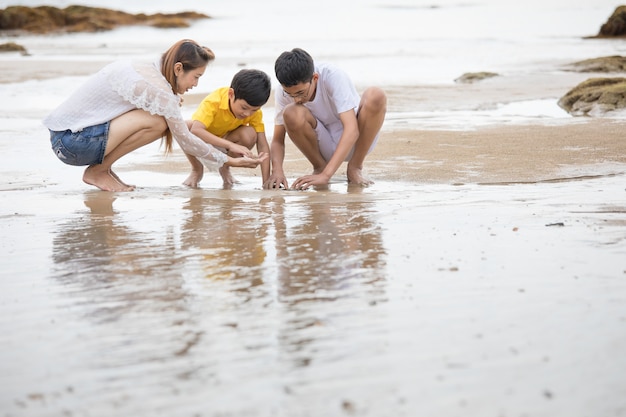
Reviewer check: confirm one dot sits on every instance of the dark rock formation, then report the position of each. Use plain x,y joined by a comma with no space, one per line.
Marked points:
615,25
46,19
471,77
12,47
595,97
614,63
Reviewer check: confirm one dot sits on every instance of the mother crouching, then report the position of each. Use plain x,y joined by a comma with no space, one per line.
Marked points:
127,105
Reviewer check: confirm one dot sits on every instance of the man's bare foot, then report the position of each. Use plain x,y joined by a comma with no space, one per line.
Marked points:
103,179
355,176
227,177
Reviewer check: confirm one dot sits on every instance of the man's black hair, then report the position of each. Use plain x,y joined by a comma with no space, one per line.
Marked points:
294,67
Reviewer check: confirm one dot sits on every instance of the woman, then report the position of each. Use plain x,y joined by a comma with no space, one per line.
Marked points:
127,105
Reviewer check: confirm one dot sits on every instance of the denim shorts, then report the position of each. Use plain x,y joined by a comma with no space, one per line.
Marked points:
81,148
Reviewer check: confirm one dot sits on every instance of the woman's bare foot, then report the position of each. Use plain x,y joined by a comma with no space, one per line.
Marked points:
227,177
119,180
103,179
355,176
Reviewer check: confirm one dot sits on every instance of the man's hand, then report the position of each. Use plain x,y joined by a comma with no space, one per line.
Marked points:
314,180
276,181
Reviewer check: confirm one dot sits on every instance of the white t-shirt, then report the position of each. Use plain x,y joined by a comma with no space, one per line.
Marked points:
335,94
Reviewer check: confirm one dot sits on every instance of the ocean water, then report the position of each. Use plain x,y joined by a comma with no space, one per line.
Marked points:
387,43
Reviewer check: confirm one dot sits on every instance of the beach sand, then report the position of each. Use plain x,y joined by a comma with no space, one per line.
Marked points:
484,273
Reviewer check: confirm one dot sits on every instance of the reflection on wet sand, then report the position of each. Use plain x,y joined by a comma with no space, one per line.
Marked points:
322,246
100,249
309,244
213,289
313,247
327,250
227,236
126,281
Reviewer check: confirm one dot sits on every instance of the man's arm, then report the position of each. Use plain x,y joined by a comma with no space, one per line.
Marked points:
277,154
346,142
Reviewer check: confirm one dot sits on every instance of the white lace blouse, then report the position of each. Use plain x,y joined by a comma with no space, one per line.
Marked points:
123,86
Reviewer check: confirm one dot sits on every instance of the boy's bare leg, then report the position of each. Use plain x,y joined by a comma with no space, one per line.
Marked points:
241,136
371,116
227,177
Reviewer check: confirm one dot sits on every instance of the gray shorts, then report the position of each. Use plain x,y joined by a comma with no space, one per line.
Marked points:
85,147
328,139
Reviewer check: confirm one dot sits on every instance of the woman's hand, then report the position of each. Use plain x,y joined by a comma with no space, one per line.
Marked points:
247,161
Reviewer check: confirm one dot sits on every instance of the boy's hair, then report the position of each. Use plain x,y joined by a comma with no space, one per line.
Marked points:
254,86
294,67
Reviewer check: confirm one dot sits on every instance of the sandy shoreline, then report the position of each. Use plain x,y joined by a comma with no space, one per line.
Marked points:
482,274
503,154
495,153
491,155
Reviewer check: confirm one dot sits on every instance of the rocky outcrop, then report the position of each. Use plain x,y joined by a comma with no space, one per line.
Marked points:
615,25
606,64
472,77
46,19
12,47
595,97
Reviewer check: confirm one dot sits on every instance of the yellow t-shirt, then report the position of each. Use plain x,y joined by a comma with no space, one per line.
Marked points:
214,112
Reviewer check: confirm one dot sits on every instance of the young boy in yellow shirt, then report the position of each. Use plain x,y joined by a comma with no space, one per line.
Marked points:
230,118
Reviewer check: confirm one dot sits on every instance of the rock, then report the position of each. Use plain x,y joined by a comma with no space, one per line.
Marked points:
595,97
46,19
615,25
614,63
472,77
12,47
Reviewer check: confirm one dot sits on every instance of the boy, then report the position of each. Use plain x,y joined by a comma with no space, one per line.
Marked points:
230,118
321,111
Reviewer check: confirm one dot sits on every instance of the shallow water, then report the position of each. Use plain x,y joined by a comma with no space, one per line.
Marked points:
399,299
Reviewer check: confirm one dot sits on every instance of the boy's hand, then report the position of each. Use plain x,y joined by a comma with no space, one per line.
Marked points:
194,178
239,150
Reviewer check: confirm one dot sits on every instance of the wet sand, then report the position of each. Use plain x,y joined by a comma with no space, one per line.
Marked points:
482,274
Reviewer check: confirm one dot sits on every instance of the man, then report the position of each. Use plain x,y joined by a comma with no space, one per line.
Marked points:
321,111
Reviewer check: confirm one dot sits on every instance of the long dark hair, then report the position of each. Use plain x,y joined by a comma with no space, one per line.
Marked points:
192,56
